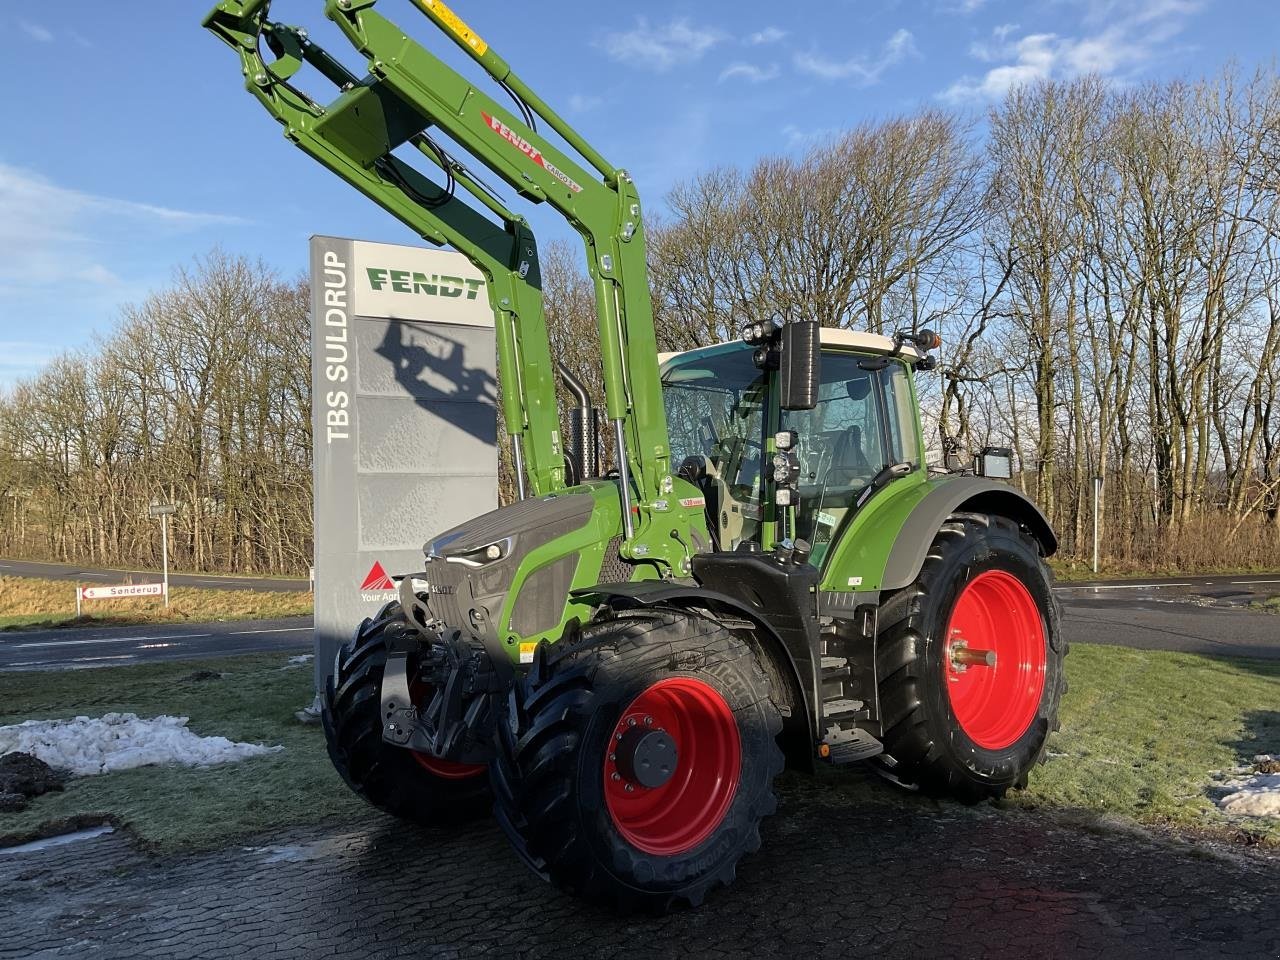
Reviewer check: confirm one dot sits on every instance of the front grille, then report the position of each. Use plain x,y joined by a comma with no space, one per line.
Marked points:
449,593
613,569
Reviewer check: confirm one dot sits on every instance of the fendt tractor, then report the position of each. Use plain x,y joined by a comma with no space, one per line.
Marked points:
620,663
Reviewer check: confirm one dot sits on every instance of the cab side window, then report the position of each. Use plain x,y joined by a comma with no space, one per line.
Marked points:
900,419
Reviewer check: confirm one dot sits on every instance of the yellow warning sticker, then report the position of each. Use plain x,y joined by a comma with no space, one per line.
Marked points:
526,652
457,26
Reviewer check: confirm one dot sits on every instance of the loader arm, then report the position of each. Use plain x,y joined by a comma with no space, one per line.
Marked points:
506,254
408,93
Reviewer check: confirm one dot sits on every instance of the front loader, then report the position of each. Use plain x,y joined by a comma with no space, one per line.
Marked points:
767,575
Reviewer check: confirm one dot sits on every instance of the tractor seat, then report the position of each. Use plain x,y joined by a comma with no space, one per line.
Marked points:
847,460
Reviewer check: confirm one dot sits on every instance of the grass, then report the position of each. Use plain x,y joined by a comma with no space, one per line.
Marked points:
1143,731
1269,605
1142,735
1081,570
28,602
179,807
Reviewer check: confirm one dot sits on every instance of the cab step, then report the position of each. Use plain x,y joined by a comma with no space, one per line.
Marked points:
847,743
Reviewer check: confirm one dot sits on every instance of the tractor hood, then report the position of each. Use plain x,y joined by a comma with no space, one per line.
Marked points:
509,571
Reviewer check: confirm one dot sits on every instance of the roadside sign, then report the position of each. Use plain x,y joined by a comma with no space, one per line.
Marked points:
161,509
123,590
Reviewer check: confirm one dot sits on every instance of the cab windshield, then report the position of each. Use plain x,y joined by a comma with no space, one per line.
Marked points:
716,404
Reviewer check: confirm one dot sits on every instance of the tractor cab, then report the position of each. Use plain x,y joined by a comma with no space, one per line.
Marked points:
724,415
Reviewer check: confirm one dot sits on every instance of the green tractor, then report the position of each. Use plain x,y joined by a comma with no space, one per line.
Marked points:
769,575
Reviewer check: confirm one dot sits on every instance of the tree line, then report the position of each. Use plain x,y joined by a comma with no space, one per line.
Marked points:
1103,265
200,397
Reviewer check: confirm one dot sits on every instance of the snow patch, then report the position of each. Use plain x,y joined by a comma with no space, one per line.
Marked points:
120,741
303,658
1256,795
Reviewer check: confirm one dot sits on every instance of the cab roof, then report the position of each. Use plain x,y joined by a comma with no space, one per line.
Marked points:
858,340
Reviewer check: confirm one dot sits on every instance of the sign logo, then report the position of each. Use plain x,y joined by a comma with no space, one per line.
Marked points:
432,285
377,579
529,150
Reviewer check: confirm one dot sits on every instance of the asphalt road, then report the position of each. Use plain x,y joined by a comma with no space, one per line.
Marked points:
1208,616
105,575
82,648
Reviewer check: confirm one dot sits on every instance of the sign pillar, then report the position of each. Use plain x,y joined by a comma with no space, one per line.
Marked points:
404,420
1097,490
164,549
163,510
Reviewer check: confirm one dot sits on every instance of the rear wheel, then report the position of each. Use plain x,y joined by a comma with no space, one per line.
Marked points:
970,661
405,783
639,762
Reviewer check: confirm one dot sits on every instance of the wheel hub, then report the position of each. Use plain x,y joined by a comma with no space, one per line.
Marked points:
994,659
672,766
646,757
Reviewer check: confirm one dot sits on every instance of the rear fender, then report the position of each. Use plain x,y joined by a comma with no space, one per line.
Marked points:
960,495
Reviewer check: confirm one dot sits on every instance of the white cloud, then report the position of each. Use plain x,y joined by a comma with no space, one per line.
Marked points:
583,102
54,234
767,35
749,72
32,205
961,7
662,47
995,47
1119,49
865,70
35,31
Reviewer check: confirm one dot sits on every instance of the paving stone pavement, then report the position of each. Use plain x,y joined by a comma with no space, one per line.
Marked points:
834,879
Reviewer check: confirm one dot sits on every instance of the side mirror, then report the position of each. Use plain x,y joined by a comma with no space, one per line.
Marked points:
800,370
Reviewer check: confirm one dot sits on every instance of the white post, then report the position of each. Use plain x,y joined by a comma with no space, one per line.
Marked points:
1097,486
77,599
164,549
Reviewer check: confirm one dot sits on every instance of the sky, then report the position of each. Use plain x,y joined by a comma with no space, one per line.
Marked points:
129,147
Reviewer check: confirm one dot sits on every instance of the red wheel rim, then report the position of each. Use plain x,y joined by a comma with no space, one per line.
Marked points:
681,813
444,769
447,769
994,704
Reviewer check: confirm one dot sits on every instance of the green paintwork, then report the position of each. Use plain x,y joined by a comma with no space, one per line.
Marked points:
862,550
589,543
408,90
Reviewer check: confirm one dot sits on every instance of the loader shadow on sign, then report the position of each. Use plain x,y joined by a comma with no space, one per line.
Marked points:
422,359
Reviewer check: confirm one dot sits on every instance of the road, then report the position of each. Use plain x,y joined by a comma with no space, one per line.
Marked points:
1206,616
86,647
90,575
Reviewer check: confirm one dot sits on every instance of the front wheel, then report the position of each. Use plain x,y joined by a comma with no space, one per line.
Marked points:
405,783
639,761
970,663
